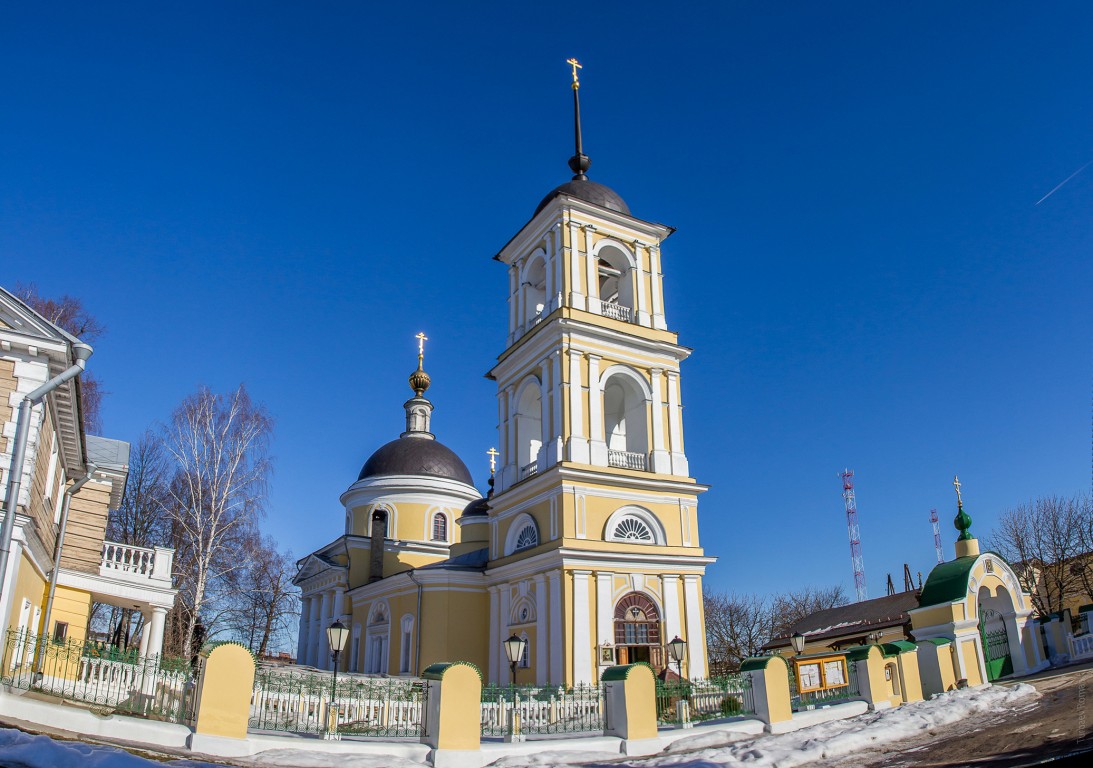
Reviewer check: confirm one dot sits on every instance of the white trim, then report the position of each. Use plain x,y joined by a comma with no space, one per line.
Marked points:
518,526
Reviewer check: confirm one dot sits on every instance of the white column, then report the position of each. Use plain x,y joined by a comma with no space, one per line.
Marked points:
675,427
669,584
15,557
593,274
662,460
576,298
605,610
696,645
495,636
557,647
582,637
577,443
503,622
305,630
315,631
155,630
511,471
322,658
544,415
656,289
339,604
502,437
548,268
597,445
521,301
641,310
557,429
512,303
558,265
542,646
145,634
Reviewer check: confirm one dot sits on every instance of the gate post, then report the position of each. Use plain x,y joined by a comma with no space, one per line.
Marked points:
935,664
453,724
631,698
769,677
224,691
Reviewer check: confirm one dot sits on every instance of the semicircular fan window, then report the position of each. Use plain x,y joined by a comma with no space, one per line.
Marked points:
632,529
528,538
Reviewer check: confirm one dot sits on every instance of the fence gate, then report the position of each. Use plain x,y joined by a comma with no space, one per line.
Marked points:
996,644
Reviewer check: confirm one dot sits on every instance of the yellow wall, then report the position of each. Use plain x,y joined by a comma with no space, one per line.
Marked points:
226,686
73,606
969,650
29,585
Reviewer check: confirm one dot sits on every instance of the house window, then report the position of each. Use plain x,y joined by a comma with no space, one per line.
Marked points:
406,653
440,527
60,631
525,657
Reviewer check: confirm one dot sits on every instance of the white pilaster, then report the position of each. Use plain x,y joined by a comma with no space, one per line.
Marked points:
557,647
656,289
554,454
542,646
495,635
642,310
548,268
582,640
675,427
576,297
511,472
503,622
673,616
605,610
696,641
544,419
322,659
578,443
512,303
662,460
597,444
145,634
305,630
593,274
558,265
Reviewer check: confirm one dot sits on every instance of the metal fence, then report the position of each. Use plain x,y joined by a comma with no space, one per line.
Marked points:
543,709
299,701
813,699
157,687
726,696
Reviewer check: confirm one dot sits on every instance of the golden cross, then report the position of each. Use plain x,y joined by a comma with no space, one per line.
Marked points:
493,453
956,484
421,339
576,65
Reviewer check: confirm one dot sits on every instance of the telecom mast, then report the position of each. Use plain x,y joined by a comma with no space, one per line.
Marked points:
847,476
937,536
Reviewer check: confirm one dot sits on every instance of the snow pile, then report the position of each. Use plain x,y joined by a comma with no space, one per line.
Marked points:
547,758
302,758
21,750
841,737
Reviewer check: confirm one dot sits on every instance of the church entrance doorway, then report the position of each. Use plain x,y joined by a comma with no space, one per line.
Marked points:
996,644
637,631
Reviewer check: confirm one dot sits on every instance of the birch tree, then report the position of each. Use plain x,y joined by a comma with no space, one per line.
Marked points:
265,602
219,444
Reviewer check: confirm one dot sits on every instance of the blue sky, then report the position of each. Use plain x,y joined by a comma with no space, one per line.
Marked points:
284,195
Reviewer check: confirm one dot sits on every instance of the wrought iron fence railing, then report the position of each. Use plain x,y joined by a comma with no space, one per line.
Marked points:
819,698
543,709
300,702
710,699
157,687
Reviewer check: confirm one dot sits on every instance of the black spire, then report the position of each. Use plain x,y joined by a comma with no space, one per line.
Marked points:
580,162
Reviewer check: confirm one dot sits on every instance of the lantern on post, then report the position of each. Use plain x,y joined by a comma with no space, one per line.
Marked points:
336,635
676,650
514,651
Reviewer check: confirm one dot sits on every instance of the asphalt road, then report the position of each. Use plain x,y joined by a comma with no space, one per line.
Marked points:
1057,725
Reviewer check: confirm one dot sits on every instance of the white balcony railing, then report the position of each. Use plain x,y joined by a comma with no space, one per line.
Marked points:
626,460
136,563
615,311
529,469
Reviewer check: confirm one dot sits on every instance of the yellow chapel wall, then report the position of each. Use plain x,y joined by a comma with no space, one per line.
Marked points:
29,585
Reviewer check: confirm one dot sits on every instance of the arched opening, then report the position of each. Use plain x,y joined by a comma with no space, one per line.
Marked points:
993,632
529,429
616,283
891,676
440,527
625,416
534,285
634,525
523,534
637,631
377,638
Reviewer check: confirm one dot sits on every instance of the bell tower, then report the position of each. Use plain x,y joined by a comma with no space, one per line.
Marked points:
594,495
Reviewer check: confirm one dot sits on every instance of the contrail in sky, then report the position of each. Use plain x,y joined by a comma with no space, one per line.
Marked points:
1064,181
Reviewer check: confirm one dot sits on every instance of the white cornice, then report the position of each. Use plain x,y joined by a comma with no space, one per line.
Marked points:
122,594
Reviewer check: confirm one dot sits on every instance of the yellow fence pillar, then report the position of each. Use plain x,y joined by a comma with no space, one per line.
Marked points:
453,726
631,699
877,685
770,690
905,655
935,665
224,691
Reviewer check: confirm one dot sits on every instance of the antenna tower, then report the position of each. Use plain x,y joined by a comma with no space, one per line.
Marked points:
847,476
937,536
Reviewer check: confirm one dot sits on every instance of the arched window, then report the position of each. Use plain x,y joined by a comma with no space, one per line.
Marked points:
637,630
529,428
376,639
616,289
406,654
523,534
527,538
534,286
625,419
635,525
632,529
440,527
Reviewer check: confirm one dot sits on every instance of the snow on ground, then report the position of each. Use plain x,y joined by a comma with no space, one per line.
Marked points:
22,750
710,749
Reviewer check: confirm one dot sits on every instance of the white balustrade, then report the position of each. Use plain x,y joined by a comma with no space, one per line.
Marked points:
626,460
136,562
615,311
1081,647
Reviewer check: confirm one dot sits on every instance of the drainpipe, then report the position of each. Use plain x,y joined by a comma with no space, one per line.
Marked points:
417,625
15,472
70,491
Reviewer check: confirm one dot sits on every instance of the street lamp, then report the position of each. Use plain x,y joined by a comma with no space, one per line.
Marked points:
798,641
514,650
336,635
676,649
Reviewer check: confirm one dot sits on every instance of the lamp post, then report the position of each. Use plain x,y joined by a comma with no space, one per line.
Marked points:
798,641
514,651
676,649
336,635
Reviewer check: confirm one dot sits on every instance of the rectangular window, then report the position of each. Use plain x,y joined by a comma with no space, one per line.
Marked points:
404,663
60,631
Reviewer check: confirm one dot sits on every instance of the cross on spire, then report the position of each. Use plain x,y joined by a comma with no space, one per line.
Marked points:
956,484
493,453
421,339
576,65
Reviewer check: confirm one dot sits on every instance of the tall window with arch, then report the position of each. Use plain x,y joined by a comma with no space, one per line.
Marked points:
440,527
533,285
529,428
616,290
625,415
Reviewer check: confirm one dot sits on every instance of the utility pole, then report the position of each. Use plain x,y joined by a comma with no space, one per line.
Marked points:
937,536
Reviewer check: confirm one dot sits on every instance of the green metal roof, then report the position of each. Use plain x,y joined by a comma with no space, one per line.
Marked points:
858,652
937,641
947,582
896,647
759,662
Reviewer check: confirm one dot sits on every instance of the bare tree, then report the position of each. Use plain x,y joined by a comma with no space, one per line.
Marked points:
265,600
791,607
737,626
69,314
219,444
1047,541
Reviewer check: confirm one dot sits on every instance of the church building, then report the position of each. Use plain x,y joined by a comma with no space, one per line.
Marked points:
587,544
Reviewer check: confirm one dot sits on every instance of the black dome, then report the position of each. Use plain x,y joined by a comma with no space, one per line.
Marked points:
416,456
477,508
590,192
